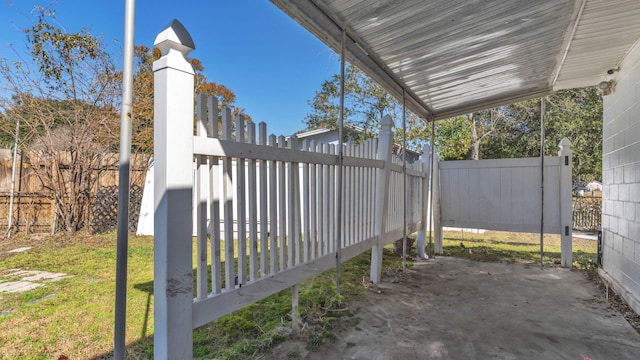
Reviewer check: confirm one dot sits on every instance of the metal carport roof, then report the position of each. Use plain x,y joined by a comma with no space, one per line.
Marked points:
456,56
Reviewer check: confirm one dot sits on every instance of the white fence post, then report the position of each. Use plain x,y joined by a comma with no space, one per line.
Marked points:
173,151
437,219
424,202
385,145
566,211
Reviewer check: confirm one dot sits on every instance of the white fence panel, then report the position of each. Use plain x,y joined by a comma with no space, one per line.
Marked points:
502,194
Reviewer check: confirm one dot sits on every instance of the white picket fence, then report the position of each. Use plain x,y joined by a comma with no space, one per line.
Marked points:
283,201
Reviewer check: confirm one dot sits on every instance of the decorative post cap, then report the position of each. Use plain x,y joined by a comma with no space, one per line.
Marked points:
386,121
565,147
174,36
564,142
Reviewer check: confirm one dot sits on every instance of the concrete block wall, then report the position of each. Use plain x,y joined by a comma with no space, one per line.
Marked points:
621,180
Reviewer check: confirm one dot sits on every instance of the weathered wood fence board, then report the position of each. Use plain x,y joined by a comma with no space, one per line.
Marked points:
33,209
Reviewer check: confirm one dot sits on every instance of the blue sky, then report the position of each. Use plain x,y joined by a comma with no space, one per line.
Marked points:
273,65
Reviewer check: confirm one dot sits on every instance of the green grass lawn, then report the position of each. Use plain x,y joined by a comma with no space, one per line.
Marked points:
74,316
496,246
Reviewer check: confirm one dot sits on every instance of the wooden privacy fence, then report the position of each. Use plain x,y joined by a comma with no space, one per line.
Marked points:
33,208
282,196
32,212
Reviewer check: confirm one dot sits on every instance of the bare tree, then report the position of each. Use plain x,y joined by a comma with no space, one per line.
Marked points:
64,96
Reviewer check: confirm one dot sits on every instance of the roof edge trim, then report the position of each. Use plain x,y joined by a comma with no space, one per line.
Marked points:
569,42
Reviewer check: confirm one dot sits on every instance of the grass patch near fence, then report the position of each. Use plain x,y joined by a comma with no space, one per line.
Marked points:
74,316
498,246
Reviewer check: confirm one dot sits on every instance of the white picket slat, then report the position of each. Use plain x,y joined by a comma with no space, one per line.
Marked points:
264,219
326,206
227,190
252,207
201,203
273,211
241,204
313,205
282,207
214,204
331,219
306,218
291,168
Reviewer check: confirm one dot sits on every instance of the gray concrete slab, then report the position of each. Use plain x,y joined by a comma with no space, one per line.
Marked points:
450,308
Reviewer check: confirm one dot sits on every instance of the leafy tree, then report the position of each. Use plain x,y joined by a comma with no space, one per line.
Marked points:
366,103
453,138
582,111
66,109
142,128
575,114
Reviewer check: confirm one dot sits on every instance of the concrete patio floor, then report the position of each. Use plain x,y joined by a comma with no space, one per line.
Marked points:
449,308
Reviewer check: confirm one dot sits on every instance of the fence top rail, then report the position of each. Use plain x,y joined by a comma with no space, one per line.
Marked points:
227,148
549,161
396,168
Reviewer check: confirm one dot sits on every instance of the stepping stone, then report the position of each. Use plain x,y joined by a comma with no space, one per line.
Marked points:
29,279
50,296
18,286
6,313
35,275
19,250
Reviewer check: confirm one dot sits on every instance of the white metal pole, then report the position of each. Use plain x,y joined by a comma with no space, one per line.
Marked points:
119,338
431,210
404,184
542,135
339,174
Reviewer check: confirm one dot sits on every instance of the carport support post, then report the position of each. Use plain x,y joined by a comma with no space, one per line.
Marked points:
173,152
382,196
566,211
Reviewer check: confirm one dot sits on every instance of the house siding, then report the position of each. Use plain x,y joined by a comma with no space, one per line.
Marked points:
621,181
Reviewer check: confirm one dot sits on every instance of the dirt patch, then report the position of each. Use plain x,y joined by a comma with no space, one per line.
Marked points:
36,240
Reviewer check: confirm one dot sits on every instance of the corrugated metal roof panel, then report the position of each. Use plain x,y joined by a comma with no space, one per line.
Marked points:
604,35
453,56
